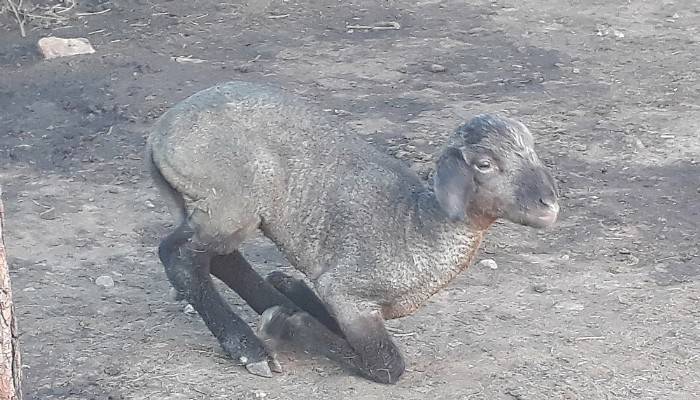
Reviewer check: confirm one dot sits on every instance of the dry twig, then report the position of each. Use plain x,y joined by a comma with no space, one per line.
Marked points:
17,13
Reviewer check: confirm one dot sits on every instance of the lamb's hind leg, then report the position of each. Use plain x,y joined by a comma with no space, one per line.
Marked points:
187,267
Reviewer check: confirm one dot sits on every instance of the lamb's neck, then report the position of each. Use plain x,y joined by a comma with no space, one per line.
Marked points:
438,248
433,221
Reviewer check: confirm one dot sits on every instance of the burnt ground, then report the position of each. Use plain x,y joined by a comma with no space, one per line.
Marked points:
604,306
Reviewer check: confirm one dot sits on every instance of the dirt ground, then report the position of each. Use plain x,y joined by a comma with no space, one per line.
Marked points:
604,306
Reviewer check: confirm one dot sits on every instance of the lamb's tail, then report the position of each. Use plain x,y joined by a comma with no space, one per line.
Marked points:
175,200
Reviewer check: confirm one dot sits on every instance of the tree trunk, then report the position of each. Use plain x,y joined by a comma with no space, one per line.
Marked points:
10,364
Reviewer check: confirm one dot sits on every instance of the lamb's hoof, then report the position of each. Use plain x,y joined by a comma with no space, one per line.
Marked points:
260,368
275,365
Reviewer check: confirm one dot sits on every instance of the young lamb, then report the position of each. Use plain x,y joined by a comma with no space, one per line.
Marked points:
372,237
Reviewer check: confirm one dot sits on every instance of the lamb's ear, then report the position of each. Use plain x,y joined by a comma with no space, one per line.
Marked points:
453,183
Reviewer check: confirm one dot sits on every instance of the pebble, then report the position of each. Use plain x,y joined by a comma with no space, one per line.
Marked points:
189,310
149,204
54,47
540,288
113,370
105,281
437,68
341,113
565,257
570,306
259,394
488,263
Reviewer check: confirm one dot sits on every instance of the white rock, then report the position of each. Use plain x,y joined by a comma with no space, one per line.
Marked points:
488,263
189,310
54,47
437,68
105,281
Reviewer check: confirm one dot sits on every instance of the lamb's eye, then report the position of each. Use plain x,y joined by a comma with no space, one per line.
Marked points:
484,165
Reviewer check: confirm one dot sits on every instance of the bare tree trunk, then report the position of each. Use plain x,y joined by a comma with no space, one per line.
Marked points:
10,364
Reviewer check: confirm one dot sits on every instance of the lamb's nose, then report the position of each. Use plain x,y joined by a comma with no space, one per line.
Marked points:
551,202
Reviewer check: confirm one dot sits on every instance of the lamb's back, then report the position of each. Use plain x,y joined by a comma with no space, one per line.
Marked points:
242,148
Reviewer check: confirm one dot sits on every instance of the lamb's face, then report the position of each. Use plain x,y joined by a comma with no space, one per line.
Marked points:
491,171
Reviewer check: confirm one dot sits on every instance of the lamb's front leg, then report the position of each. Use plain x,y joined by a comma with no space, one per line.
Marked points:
304,297
362,324
365,344
237,273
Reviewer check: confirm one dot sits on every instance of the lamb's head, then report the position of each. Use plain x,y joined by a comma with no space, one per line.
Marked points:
490,170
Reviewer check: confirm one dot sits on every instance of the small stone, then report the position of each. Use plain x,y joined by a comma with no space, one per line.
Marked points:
540,288
488,263
615,269
29,289
576,70
624,251
565,257
401,154
570,306
243,68
149,204
113,370
341,113
259,394
54,47
189,310
105,281
436,68
48,214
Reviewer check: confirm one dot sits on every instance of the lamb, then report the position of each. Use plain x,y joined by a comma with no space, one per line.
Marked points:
373,238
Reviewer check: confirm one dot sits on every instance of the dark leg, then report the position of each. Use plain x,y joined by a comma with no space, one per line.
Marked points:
368,347
306,333
239,275
187,267
378,357
304,297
